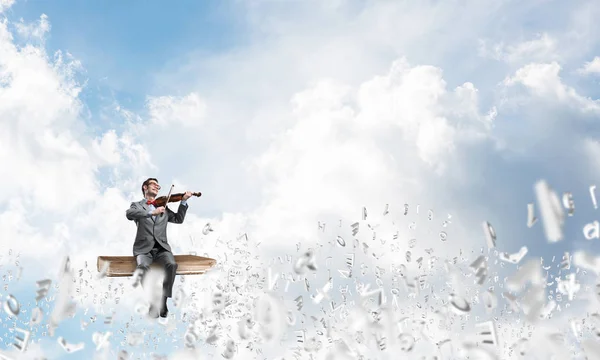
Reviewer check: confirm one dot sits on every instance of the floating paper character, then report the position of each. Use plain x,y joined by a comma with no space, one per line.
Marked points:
214,335
459,304
531,219
21,343
551,211
191,337
70,348
305,262
272,279
592,230
479,267
568,286
521,348
514,258
546,311
245,326
63,307
443,236
595,324
43,288
490,234
207,229
354,228
11,306
218,302
101,340
230,349
566,262
323,292
486,333
367,294
406,342
36,316
489,300
568,203
179,300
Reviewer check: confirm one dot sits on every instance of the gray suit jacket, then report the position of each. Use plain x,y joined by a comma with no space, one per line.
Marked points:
149,230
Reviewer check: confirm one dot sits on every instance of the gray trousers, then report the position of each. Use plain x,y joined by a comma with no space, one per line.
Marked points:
164,257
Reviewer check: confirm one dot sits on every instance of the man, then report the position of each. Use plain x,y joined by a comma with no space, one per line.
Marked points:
151,238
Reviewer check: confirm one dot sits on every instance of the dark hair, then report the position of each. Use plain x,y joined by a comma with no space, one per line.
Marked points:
145,183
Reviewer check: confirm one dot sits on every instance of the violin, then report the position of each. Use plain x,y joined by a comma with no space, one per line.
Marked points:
162,200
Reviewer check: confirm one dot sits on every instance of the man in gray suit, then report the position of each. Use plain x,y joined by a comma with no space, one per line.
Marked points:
151,238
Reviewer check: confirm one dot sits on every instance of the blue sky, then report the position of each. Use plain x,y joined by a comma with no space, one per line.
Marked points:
286,114
122,45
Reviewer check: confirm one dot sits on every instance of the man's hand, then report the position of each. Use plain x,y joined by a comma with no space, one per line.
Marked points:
187,195
158,210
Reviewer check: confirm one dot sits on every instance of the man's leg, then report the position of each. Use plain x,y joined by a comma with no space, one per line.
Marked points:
167,259
143,264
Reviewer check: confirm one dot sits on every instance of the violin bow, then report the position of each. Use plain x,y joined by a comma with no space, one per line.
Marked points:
168,197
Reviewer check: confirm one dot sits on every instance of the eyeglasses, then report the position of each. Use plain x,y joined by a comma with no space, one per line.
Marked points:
155,184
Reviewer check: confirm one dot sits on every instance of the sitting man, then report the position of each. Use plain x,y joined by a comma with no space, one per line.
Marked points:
151,238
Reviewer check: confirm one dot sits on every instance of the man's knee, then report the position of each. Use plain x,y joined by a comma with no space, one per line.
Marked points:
139,275
143,268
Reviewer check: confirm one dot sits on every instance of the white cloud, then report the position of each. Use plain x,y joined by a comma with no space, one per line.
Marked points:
591,67
543,80
38,30
188,111
39,107
349,148
106,149
542,48
5,4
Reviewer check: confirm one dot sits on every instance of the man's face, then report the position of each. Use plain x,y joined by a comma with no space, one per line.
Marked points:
153,187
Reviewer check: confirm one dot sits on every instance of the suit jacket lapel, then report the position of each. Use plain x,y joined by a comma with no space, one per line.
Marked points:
146,208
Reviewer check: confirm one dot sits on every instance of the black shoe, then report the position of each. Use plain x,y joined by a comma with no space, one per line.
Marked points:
164,311
153,312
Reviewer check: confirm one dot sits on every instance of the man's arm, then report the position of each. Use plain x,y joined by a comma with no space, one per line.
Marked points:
135,212
178,217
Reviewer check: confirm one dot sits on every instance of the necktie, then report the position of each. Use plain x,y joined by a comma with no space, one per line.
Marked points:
151,202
